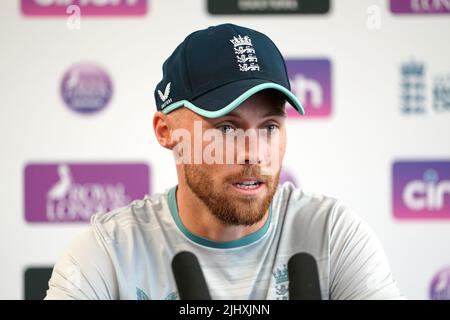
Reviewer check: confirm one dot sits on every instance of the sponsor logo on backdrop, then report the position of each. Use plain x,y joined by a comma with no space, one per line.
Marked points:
36,282
268,6
412,87
86,88
67,192
287,176
440,285
421,190
420,6
86,7
311,83
419,97
441,93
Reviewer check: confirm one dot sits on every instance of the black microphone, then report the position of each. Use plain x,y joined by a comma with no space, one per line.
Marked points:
303,278
189,277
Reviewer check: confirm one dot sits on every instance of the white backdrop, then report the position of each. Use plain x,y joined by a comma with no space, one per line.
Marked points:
348,155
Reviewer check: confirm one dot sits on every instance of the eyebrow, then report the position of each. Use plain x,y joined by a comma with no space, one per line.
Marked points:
277,112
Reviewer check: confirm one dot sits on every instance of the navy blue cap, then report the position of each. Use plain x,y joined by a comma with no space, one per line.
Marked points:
214,70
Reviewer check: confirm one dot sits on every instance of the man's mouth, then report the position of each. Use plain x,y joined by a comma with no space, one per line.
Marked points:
248,184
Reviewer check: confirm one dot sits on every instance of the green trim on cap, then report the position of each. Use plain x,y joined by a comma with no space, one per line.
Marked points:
234,104
172,199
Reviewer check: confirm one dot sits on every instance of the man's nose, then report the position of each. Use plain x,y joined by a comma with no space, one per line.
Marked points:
247,161
250,153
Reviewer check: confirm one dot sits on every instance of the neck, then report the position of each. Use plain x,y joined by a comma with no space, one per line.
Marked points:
199,220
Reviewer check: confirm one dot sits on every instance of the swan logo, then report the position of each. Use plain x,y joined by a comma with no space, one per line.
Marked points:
74,192
86,88
87,7
440,285
311,82
421,190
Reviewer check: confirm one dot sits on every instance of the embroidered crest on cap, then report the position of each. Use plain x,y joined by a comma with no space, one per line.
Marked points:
245,53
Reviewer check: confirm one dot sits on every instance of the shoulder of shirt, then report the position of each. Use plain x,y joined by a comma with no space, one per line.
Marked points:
288,192
310,205
138,213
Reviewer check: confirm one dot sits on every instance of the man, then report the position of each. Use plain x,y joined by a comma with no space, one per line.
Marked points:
223,85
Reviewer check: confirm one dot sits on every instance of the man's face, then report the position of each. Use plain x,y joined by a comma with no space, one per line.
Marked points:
237,192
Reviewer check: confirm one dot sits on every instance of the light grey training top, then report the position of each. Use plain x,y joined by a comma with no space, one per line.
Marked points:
127,253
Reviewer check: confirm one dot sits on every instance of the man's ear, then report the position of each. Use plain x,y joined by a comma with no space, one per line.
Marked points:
163,126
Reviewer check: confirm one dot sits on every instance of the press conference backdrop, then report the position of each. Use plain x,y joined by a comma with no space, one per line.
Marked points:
76,95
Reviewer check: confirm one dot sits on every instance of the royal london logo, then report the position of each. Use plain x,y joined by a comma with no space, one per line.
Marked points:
245,53
281,278
63,192
165,96
420,6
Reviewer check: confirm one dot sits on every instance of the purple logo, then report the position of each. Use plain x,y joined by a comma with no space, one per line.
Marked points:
74,192
87,7
86,88
286,175
421,190
311,83
420,6
440,285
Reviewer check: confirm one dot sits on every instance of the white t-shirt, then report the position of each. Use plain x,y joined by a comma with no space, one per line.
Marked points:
127,253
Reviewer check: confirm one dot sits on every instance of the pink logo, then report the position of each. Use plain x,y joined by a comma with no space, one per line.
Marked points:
87,7
74,192
421,190
86,88
311,82
440,285
420,6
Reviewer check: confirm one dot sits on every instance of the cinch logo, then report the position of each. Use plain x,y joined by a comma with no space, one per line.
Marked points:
311,83
74,192
86,88
440,285
420,6
87,7
421,190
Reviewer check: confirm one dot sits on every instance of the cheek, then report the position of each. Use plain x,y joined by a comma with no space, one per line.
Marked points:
219,172
276,146
283,142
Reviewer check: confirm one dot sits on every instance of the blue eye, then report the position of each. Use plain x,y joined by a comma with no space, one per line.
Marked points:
226,128
272,128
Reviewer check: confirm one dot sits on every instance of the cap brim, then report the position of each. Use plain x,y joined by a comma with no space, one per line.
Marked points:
220,101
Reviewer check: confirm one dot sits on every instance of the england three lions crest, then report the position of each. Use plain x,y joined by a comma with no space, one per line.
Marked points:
245,53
